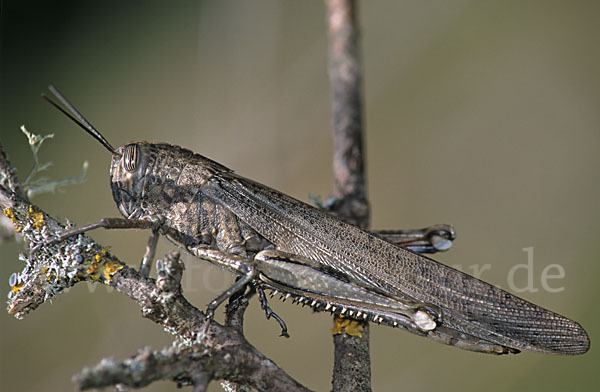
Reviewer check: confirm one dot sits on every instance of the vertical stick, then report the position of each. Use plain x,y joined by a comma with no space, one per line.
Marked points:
346,86
352,366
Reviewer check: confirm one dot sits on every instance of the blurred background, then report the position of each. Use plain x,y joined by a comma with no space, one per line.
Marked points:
483,114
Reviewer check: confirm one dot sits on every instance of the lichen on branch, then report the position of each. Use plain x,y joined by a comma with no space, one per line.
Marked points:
200,352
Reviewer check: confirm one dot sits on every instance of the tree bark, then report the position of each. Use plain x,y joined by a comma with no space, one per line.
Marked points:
352,366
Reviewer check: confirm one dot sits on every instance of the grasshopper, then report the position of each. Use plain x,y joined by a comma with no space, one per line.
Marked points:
273,241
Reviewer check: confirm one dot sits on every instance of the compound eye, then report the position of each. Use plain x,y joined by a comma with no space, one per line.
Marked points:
131,158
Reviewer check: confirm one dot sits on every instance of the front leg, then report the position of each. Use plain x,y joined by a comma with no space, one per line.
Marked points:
108,223
242,266
146,263
153,223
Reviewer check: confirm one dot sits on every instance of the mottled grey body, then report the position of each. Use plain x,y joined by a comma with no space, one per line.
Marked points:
201,204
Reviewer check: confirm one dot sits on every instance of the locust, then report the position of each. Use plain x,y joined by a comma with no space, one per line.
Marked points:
274,242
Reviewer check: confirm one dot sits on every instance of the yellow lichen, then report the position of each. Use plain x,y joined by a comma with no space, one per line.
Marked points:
99,256
47,275
103,267
51,275
16,288
109,269
347,326
92,268
37,217
92,271
10,214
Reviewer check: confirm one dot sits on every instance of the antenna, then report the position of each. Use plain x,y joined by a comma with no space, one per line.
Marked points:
77,117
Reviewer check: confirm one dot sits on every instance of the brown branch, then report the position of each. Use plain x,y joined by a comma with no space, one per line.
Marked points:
8,175
220,353
8,179
147,366
352,370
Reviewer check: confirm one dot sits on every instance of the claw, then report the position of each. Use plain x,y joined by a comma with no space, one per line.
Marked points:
203,333
264,304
